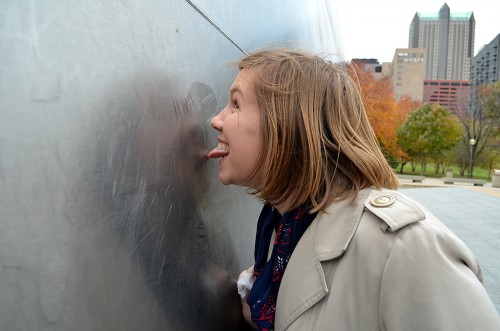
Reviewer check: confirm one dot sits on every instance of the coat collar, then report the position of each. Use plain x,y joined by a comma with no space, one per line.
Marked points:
327,238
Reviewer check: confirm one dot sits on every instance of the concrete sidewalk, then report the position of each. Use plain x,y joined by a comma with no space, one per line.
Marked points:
473,214
438,182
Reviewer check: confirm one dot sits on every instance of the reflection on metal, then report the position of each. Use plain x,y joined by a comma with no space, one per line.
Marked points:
111,218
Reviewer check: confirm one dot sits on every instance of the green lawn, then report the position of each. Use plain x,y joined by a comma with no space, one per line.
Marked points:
479,173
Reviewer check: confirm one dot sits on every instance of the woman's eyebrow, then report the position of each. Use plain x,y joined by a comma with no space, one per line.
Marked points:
235,89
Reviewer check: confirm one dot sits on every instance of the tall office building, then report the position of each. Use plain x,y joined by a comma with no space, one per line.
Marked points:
449,40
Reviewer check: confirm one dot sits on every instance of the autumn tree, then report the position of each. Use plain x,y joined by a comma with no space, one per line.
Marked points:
428,132
384,113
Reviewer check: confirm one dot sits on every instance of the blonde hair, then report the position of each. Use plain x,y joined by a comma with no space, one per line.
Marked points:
318,143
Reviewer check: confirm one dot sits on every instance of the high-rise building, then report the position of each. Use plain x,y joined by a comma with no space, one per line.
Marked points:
484,69
407,73
449,40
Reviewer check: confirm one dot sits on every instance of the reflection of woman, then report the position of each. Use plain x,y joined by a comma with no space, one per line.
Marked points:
348,252
186,264
156,177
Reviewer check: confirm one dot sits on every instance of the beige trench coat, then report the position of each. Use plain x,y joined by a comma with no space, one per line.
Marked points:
382,262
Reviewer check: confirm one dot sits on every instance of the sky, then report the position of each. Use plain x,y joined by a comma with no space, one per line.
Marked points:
374,29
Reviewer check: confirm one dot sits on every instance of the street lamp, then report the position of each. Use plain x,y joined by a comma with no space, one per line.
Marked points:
472,143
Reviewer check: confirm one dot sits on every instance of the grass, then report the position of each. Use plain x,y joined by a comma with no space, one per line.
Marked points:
479,173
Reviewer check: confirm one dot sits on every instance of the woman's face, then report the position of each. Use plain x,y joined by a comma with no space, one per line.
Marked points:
239,140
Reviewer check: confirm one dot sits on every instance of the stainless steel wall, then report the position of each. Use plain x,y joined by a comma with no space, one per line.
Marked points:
110,216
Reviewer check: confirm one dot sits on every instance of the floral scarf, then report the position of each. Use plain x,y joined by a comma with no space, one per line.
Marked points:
289,229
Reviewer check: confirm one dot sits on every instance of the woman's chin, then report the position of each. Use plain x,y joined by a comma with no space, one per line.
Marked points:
225,180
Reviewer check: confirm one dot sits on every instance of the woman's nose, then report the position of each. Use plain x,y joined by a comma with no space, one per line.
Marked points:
217,121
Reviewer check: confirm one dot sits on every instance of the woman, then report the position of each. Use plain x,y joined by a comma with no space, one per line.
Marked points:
336,247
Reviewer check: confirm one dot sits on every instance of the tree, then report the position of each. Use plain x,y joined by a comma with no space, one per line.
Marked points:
490,101
384,114
482,123
405,106
489,159
428,132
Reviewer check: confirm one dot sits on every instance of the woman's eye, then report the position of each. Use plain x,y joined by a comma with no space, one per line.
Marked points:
235,106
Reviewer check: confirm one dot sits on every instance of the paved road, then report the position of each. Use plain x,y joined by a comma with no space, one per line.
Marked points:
473,213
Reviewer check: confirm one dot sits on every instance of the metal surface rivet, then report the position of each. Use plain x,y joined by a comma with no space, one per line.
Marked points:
382,201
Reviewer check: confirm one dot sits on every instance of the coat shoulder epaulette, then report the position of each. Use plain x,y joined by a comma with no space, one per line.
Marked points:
394,209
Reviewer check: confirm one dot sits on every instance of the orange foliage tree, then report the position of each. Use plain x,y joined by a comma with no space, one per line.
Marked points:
385,114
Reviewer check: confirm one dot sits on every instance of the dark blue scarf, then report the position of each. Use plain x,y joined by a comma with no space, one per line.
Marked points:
289,229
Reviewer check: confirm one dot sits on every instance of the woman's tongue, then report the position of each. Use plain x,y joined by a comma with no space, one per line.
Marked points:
220,151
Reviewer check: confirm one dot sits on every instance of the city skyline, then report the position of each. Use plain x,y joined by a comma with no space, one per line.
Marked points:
366,29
